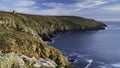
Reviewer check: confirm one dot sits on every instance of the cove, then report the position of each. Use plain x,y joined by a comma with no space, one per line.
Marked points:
92,49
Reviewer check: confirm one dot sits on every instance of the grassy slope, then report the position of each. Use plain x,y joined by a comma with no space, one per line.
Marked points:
22,33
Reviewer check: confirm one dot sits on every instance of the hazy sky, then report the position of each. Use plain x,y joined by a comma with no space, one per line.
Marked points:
95,9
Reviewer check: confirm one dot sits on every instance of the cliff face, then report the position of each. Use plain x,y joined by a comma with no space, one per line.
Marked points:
22,33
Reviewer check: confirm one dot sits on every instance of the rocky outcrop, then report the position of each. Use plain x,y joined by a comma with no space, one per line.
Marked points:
31,47
7,22
24,40
45,62
13,60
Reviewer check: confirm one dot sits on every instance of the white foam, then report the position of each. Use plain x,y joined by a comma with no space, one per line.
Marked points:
89,64
90,61
47,42
112,65
73,54
75,61
53,41
77,54
112,27
116,65
102,66
100,62
56,37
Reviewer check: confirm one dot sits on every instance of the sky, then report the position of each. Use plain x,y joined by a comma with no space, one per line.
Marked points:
104,10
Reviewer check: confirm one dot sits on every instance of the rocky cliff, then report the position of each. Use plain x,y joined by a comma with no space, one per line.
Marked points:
25,34
14,60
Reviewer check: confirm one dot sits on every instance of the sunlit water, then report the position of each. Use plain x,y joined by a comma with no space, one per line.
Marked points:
92,49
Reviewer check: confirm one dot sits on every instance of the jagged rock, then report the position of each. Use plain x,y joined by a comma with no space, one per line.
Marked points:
13,60
25,58
6,60
45,62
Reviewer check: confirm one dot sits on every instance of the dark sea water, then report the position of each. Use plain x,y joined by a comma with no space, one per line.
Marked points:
92,49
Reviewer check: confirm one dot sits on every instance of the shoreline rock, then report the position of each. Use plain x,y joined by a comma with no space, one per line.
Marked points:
13,60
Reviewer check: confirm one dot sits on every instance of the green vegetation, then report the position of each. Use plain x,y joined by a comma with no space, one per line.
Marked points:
50,24
22,33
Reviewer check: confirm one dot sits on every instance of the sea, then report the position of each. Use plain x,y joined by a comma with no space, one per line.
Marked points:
91,49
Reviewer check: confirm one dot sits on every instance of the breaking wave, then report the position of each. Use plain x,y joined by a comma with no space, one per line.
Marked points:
85,61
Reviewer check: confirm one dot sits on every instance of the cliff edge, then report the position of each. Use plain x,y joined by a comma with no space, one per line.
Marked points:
25,34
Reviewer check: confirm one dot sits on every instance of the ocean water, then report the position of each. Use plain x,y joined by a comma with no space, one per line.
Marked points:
92,49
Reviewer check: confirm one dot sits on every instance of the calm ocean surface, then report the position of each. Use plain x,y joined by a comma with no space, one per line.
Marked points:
92,49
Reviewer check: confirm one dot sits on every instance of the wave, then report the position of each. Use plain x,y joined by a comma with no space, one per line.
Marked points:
112,27
77,58
89,63
85,61
117,65
111,65
102,67
53,39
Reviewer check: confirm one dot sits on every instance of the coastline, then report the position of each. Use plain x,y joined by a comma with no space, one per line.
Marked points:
25,34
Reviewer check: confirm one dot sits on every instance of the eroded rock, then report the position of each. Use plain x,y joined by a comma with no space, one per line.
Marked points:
13,60
7,22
